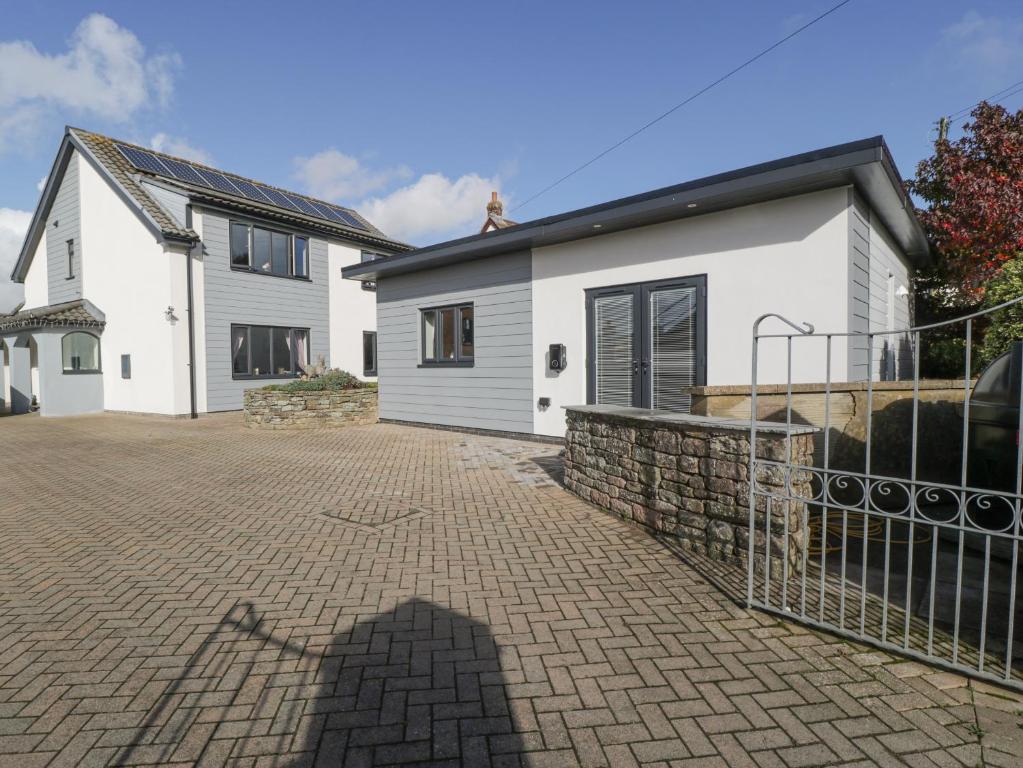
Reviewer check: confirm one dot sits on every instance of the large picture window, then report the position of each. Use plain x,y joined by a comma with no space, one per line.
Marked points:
80,353
264,351
448,335
267,251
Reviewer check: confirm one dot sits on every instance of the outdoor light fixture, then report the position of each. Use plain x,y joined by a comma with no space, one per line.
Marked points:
902,291
169,314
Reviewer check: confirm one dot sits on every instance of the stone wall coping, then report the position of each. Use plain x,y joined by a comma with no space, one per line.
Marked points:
836,386
649,417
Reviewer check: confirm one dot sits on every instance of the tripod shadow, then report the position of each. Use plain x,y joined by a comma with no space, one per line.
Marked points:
420,684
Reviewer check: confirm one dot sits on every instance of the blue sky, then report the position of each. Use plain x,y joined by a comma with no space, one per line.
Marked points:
412,112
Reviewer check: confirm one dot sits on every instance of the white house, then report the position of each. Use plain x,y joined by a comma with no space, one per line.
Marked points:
158,285
632,301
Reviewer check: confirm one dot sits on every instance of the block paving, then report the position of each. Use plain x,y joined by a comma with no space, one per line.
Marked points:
198,593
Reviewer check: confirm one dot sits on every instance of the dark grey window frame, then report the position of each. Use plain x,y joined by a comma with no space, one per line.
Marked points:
81,371
70,260
369,371
370,285
292,237
436,361
640,292
295,367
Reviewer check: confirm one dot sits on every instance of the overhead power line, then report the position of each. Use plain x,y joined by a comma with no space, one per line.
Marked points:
682,103
1006,92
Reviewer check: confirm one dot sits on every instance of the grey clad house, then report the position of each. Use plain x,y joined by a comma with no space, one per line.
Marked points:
155,284
634,301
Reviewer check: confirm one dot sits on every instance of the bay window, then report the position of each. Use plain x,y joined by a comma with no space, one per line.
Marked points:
264,351
447,335
80,353
268,251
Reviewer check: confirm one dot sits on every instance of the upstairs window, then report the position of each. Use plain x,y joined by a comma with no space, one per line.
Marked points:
80,353
370,285
448,335
263,351
268,251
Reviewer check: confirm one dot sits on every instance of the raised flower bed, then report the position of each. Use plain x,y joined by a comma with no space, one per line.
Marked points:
335,399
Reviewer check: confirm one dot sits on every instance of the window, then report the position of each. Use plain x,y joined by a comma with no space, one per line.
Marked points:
301,264
447,334
370,285
369,353
239,245
70,259
268,351
80,352
267,251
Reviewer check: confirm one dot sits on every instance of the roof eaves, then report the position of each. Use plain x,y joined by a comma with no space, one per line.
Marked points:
785,171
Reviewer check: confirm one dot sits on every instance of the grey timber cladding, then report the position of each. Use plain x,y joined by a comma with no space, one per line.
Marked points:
174,203
497,391
64,224
250,299
859,286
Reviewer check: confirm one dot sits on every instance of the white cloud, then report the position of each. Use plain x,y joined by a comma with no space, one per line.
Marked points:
988,48
433,208
105,73
13,225
41,184
174,145
336,176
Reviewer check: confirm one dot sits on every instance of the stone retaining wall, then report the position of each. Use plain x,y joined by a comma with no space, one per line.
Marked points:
687,477
939,422
274,409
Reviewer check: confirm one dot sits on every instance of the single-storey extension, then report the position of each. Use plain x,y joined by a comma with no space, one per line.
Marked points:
632,301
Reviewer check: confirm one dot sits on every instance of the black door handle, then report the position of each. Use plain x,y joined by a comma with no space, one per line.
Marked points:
635,367
646,366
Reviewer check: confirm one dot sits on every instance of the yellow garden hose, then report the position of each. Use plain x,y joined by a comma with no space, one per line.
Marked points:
853,530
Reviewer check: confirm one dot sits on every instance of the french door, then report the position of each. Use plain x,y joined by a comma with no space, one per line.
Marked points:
646,342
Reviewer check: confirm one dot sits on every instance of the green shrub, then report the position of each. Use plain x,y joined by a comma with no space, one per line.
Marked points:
334,379
1006,325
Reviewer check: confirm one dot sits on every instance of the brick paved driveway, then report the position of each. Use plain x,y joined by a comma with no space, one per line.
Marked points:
198,593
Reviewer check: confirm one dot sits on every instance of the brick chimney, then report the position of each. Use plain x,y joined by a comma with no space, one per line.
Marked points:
495,207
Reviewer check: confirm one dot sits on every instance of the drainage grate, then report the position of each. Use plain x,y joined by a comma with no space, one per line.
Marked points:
376,511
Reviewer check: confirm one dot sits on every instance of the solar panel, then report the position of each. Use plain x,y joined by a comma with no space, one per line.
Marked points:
323,211
217,181
250,190
142,160
177,169
302,204
277,198
347,218
184,171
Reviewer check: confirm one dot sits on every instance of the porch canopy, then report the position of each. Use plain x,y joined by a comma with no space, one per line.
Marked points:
32,359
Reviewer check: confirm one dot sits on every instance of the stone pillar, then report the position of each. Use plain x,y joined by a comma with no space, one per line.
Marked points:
21,375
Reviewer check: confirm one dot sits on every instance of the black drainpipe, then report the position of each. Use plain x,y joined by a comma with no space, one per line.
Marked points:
191,324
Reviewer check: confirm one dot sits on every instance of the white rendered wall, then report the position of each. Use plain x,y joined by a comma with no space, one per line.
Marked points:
36,282
199,308
131,279
787,256
352,311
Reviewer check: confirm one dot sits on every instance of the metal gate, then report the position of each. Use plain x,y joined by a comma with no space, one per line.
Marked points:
896,534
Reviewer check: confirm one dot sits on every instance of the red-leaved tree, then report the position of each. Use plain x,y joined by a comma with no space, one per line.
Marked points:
974,190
